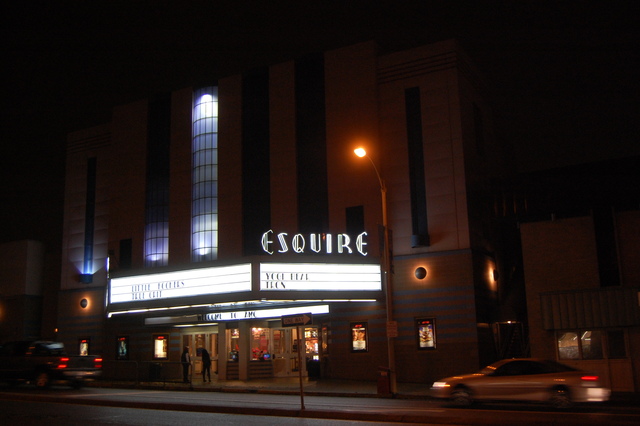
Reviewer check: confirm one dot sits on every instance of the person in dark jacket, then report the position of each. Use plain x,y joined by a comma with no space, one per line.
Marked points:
186,363
206,365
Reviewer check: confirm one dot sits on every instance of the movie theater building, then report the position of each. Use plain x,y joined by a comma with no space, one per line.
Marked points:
234,216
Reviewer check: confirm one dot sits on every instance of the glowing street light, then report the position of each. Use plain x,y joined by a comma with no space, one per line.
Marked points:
386,266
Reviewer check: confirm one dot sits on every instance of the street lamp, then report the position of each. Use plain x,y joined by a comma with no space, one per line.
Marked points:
386,266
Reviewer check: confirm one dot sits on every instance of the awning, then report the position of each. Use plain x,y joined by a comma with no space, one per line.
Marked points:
594,308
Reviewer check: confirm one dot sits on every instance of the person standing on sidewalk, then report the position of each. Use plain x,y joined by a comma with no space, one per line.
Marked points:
206,365
186,363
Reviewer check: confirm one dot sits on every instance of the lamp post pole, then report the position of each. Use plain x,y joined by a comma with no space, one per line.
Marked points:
391,324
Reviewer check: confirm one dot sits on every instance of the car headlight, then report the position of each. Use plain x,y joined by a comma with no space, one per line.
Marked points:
440,385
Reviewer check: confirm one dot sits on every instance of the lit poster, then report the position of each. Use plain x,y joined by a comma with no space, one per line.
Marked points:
359,337
84,347
160,347
122,346
426,333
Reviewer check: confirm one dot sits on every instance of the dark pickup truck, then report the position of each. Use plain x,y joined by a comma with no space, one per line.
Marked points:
45,362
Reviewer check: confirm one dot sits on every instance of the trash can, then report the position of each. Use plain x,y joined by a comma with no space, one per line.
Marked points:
313,369
384,381
155,372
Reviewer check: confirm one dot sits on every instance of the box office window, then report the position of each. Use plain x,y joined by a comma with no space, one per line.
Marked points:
359,337
259,344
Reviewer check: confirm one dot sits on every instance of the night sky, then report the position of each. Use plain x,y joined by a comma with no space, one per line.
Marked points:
563,74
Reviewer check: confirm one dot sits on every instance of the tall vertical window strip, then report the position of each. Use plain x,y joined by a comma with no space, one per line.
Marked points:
311,145
89,218
419,225
256,170
204,207
156,238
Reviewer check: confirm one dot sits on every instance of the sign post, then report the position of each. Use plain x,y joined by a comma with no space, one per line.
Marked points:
297,321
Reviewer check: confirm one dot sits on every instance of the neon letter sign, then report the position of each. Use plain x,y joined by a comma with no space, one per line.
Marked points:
298,244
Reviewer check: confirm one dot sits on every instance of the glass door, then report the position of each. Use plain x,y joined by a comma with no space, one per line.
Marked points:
198,342
284,344
213,352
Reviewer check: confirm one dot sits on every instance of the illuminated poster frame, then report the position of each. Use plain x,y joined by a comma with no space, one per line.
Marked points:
359,337
84,346
426,333
122,348
160,346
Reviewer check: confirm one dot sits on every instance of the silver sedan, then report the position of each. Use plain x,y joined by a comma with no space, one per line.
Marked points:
524,379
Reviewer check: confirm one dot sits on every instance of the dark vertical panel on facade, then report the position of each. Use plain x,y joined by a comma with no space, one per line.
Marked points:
355,220
419,224
89,215
159,131
313,199
126,254
606,247
478,124
256,192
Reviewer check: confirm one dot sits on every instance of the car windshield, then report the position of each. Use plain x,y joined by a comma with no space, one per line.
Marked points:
525,367
47,349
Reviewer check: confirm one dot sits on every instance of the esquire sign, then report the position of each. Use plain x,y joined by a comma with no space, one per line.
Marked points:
314,243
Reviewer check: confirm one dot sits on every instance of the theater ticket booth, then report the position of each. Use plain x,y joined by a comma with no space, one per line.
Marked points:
269,351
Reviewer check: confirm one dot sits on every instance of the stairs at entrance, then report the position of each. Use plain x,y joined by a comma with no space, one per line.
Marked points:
257,370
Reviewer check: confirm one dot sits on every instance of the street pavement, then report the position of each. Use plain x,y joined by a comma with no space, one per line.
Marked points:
431,413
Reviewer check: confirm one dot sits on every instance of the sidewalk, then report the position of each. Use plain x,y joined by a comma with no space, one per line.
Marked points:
289,385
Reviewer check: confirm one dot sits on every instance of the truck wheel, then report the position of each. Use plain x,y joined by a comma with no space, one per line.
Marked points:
43,380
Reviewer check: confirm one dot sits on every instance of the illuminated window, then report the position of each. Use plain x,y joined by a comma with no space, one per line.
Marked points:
312,343
89,219
568,346
204,208
259,344
156,231
580,345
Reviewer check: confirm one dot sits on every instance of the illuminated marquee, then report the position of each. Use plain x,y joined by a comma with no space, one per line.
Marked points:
319,277
316,243
264,313
193,282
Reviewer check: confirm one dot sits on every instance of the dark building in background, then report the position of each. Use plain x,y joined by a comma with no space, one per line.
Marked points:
23,308
579,231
